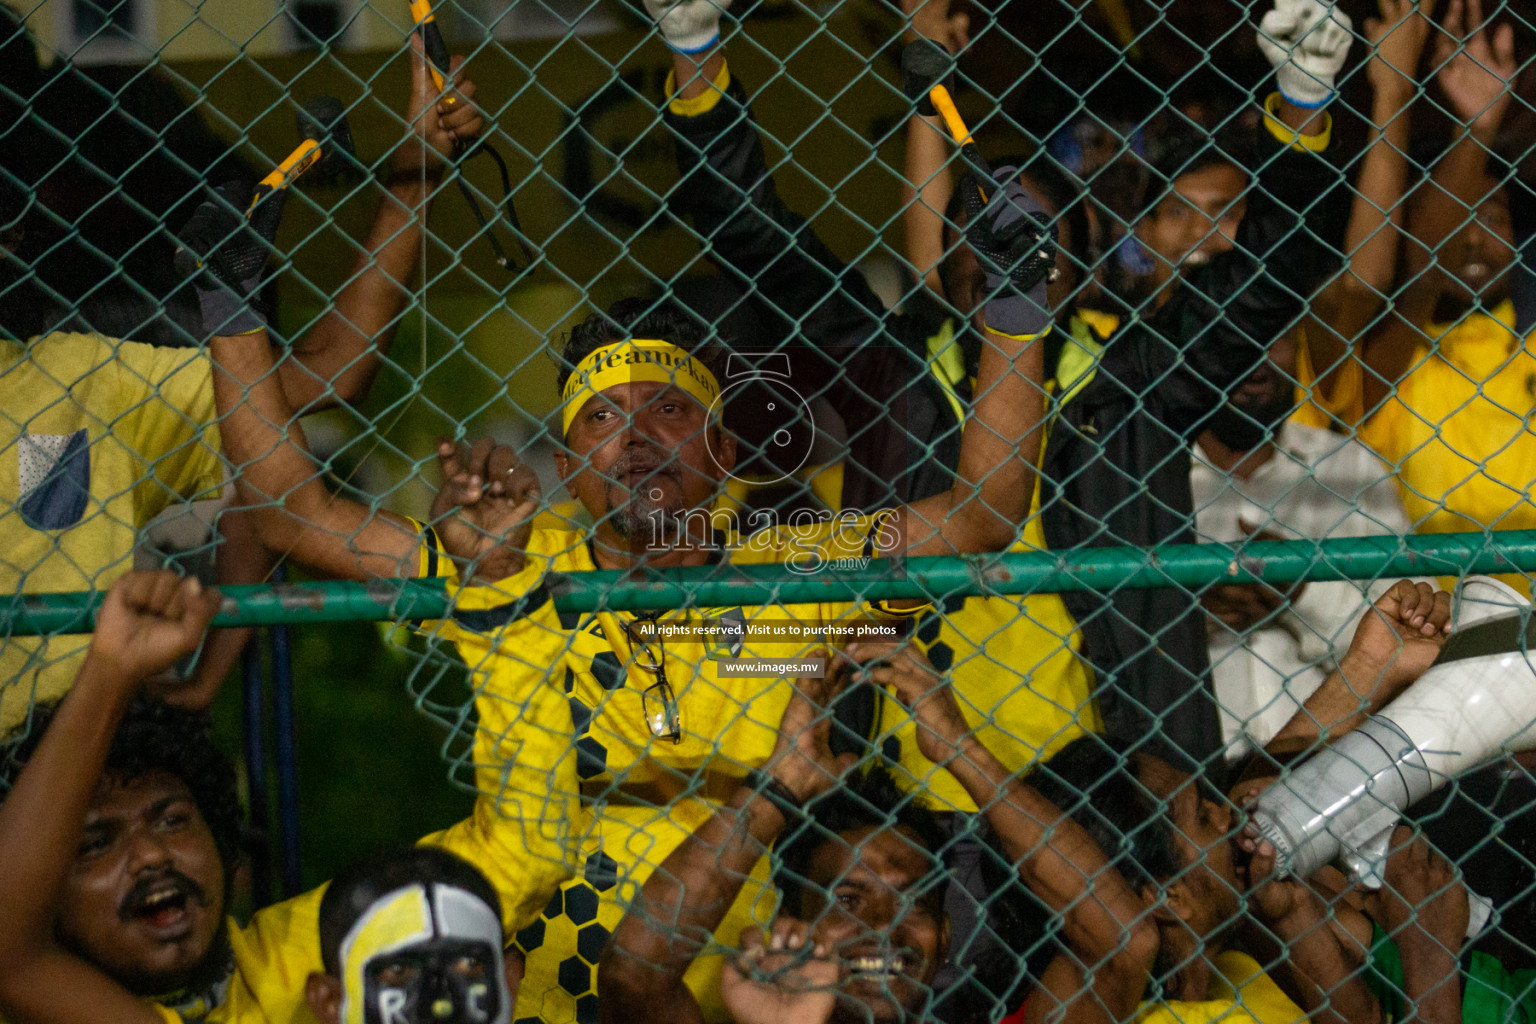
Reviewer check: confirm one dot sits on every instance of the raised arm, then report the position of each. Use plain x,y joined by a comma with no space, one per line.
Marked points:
1395,643
929,184
291,509
1000,444
640,978
1219,320
1475,73
296,515
1353,300
147,622
336,361
260,396
725,187
1106,924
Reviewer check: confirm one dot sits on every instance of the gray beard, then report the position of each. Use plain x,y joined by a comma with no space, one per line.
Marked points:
635,519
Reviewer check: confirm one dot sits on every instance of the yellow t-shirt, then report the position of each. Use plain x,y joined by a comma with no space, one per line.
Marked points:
1342,406
642,795
1241,993
1013,661
1458,429
104,434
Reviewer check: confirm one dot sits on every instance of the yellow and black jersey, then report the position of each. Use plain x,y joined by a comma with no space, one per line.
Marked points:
1013,663
647,781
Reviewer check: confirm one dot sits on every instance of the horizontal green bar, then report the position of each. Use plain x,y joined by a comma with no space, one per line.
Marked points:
1020,572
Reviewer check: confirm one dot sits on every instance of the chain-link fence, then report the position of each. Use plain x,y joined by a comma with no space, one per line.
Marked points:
868,499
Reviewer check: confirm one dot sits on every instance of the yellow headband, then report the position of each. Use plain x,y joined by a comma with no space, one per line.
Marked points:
634,361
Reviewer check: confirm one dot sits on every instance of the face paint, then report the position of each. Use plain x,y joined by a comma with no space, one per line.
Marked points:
425,954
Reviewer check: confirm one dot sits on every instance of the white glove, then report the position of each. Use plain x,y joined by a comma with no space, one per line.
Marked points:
1306,42
688,26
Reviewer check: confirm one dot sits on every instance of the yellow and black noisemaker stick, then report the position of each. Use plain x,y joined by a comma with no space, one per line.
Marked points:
441,69
926,71
327,149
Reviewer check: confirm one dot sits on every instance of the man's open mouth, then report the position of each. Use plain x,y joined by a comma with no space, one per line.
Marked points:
876,968
635,467
165,904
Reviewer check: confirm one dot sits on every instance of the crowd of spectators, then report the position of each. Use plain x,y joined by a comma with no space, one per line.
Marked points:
1240,316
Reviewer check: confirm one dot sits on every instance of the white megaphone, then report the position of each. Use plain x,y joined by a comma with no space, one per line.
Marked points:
1477,701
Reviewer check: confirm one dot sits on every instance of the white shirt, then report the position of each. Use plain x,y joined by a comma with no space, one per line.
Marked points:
1316,486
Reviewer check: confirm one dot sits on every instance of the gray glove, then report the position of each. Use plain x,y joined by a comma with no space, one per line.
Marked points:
1016,243
225,257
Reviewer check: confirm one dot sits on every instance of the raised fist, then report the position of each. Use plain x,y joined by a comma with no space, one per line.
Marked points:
1016,243
688,26
148,621
225,256
1305,41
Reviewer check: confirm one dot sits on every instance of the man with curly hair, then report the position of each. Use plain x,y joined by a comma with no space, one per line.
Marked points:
120,833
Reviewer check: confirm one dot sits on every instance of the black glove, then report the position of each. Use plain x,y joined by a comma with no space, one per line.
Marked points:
225,256
1016,243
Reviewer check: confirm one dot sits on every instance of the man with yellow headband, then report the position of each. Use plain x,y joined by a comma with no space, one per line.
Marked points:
668,723
670,726
673,709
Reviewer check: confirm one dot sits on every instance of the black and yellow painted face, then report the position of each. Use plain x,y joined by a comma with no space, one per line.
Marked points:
425,954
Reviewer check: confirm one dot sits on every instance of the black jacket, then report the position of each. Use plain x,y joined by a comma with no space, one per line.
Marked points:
1117,460
1116,465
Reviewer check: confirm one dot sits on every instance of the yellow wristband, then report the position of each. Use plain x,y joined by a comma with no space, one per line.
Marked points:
1017,337
1290,136
705,101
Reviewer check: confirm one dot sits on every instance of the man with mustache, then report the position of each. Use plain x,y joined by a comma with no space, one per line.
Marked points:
670,710
861,931
121,831
669,727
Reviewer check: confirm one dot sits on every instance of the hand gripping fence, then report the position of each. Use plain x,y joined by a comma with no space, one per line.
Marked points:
967,485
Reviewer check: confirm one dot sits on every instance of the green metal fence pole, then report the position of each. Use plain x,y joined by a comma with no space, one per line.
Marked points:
1022,572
